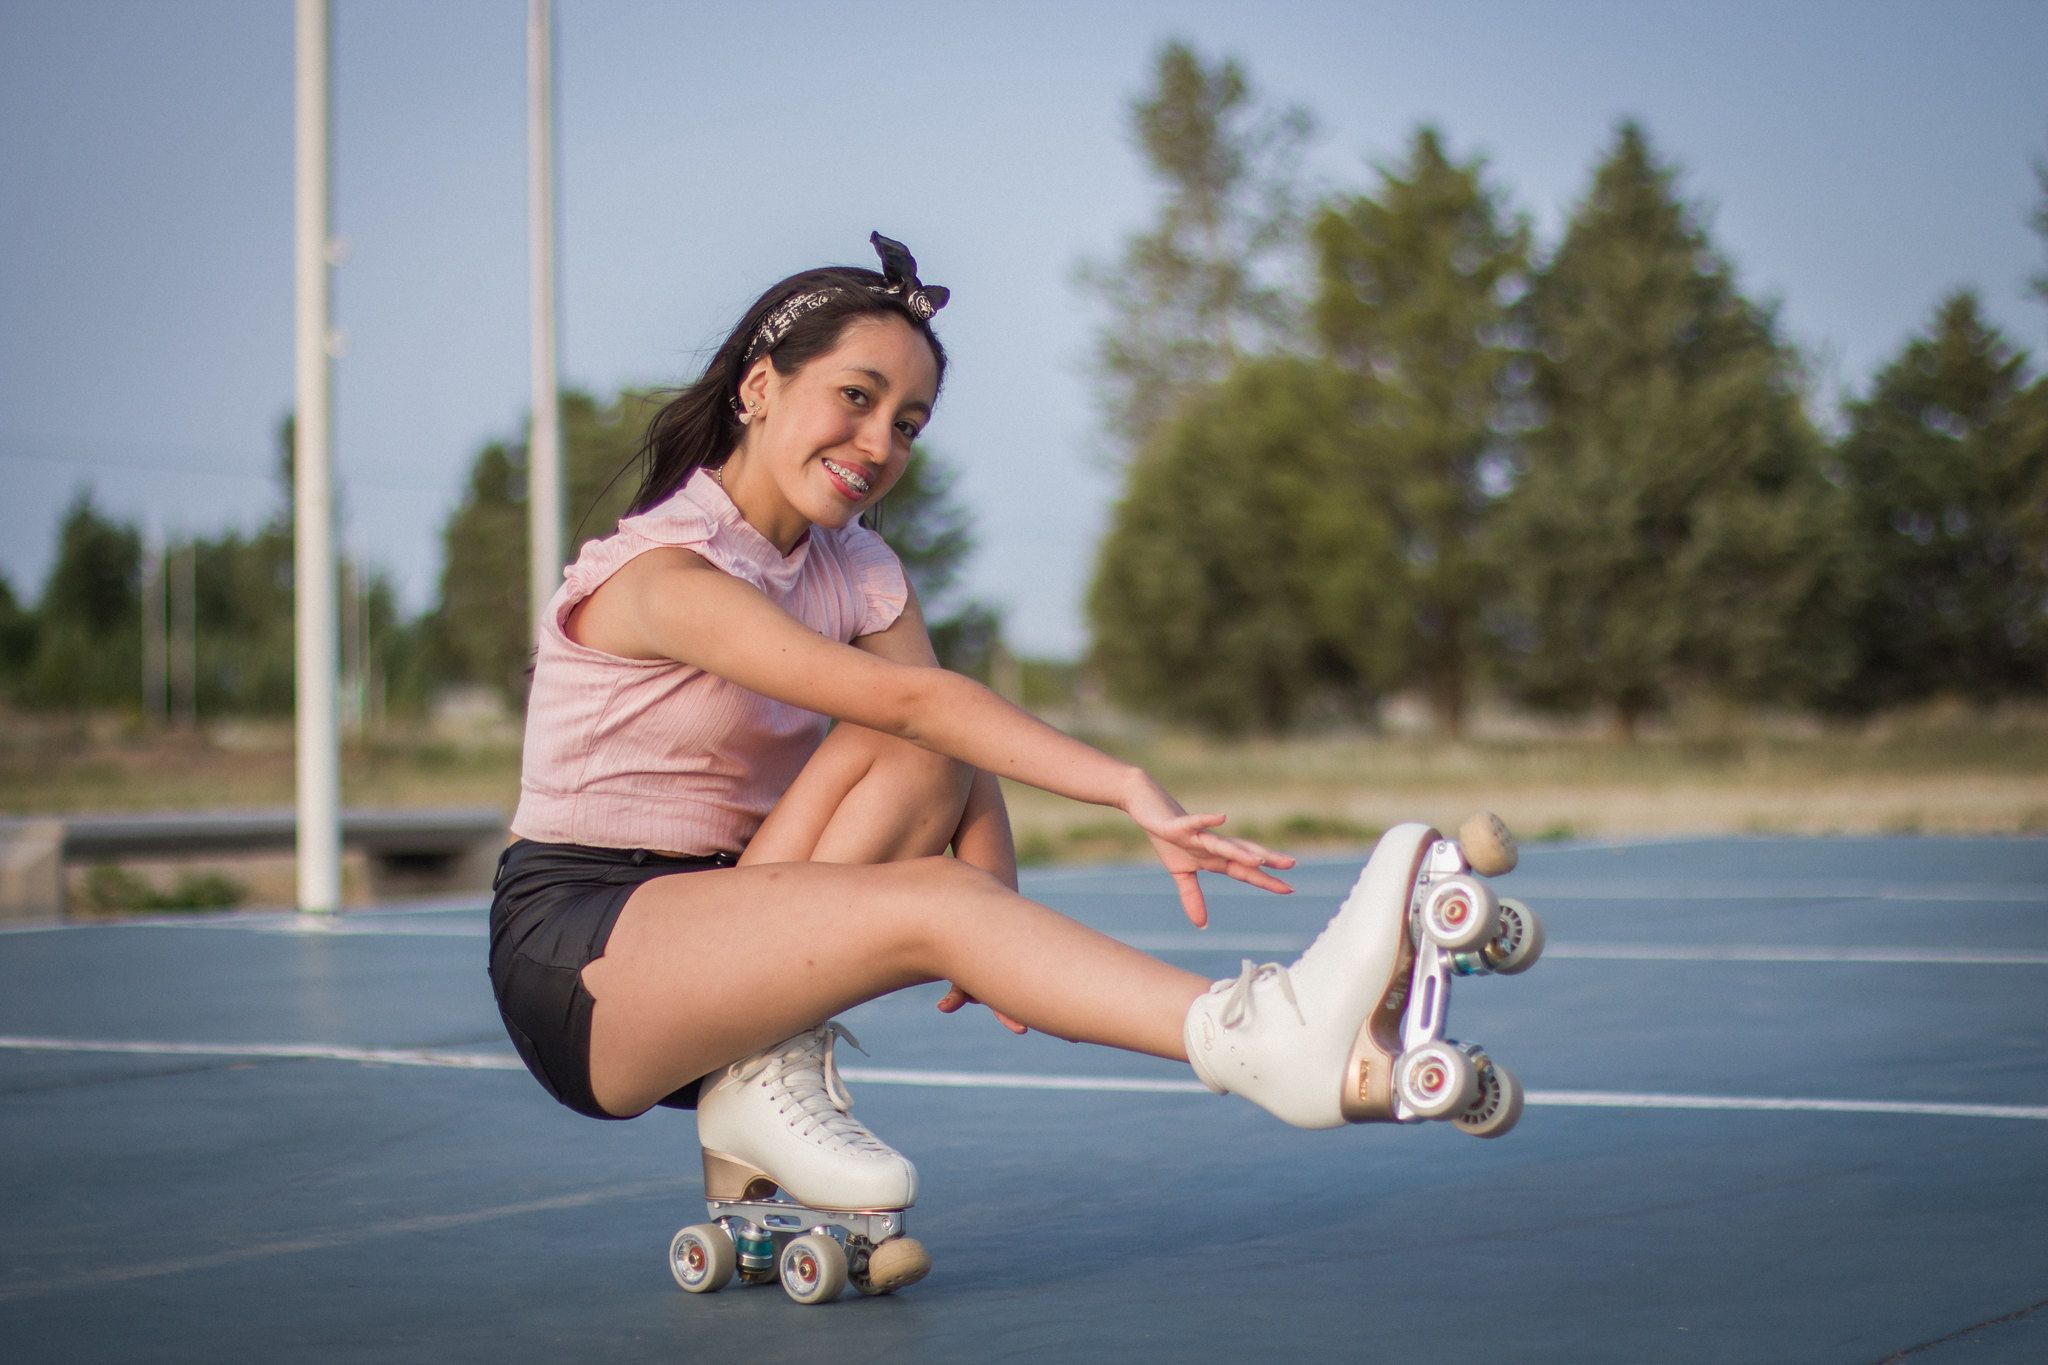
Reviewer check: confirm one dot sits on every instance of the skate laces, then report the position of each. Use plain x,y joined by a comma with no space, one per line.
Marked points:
806,1078
1237,1004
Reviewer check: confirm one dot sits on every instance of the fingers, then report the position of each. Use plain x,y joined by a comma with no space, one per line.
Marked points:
1191,901
1259,877
956,997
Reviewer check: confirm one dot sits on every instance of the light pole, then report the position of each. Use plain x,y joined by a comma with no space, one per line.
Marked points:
319,756
544,439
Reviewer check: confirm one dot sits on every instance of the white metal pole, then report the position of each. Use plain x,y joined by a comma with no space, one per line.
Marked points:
544,441
155,652
319,756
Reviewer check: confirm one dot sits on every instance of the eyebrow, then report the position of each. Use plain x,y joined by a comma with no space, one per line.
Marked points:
882,382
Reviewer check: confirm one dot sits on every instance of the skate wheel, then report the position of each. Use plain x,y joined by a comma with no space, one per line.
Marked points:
895,1264
1436,1080
1487,845
1460,912
814,1268
702,1258
1499,1106
1515,948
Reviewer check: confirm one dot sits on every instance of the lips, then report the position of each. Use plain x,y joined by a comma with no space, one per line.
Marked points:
851,479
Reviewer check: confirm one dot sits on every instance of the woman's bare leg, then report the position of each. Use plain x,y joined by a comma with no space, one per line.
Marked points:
706,967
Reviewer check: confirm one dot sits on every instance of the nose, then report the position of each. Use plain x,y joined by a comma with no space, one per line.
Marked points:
875,437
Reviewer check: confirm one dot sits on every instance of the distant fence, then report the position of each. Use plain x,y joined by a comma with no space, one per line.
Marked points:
410,852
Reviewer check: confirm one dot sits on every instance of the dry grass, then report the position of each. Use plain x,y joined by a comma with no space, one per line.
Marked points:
1943,770
1939,770
67,767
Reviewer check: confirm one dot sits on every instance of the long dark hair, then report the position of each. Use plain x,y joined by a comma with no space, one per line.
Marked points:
700,427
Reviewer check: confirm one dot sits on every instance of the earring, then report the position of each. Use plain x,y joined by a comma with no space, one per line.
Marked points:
749,414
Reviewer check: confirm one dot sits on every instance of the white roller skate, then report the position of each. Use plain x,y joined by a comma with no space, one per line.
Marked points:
784,1110
1353,1032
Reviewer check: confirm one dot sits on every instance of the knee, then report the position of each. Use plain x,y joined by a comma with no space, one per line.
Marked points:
941,897
914,766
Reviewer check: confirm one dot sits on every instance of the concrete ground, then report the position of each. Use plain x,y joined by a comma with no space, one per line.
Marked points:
1789,1103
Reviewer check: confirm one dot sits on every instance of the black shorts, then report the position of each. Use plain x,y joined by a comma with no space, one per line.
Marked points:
553,913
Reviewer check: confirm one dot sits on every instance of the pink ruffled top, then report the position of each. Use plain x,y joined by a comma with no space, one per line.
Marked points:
638,753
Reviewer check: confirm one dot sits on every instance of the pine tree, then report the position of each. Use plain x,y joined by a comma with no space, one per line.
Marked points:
1417,284
1671,531
1946,469
1191,296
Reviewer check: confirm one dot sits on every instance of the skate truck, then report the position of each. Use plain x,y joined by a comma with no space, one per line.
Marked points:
1403,1068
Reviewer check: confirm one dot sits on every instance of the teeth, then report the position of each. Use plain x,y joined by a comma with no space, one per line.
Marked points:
853,480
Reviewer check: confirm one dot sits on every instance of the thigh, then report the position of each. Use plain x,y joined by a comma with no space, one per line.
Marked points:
703,969
865,797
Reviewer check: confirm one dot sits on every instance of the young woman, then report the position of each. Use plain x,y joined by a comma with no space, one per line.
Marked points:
707,869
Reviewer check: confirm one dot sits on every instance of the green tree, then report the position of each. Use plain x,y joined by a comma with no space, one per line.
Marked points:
1250,564
88,637
1946,470
17,638
1417,286
1671,530
245,613
479,626
1191,296
478,630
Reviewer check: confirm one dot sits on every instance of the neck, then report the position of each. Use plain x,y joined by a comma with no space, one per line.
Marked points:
760,503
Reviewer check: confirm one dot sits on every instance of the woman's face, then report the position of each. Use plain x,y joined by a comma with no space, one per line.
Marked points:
828,441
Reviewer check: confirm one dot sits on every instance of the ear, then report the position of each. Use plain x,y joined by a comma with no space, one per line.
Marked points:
754,383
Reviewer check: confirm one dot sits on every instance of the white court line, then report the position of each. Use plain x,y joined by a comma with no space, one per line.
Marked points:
1002,1080
1744,952
1701,889
1186,941
276,922
1602,1099
1018,1080
323,1241
1608,1099
325,1052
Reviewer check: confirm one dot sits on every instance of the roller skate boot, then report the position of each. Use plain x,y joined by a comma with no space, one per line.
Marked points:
1353,1031
794,1185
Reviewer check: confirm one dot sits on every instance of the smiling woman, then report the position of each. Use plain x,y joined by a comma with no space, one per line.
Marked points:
706,869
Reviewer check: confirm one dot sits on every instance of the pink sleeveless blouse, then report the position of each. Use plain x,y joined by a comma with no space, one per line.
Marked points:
639,753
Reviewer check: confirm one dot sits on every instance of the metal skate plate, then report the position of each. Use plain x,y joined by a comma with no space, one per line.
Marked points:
1429,981
787,1216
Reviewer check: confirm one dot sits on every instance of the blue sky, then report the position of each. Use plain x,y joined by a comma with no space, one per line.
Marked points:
1859,161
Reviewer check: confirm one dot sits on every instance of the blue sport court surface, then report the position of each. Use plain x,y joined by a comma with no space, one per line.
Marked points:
1788,1102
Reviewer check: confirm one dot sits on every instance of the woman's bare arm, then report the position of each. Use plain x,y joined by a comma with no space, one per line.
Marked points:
671,604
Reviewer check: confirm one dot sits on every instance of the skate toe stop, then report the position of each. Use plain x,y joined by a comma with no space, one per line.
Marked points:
1487,844
897,1263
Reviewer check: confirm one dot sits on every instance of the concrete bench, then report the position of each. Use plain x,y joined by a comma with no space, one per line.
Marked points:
410,852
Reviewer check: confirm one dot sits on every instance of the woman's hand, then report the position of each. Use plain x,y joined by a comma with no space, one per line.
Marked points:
1188,844
956,997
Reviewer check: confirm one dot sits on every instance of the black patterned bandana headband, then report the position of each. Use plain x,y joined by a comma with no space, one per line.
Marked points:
899,280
